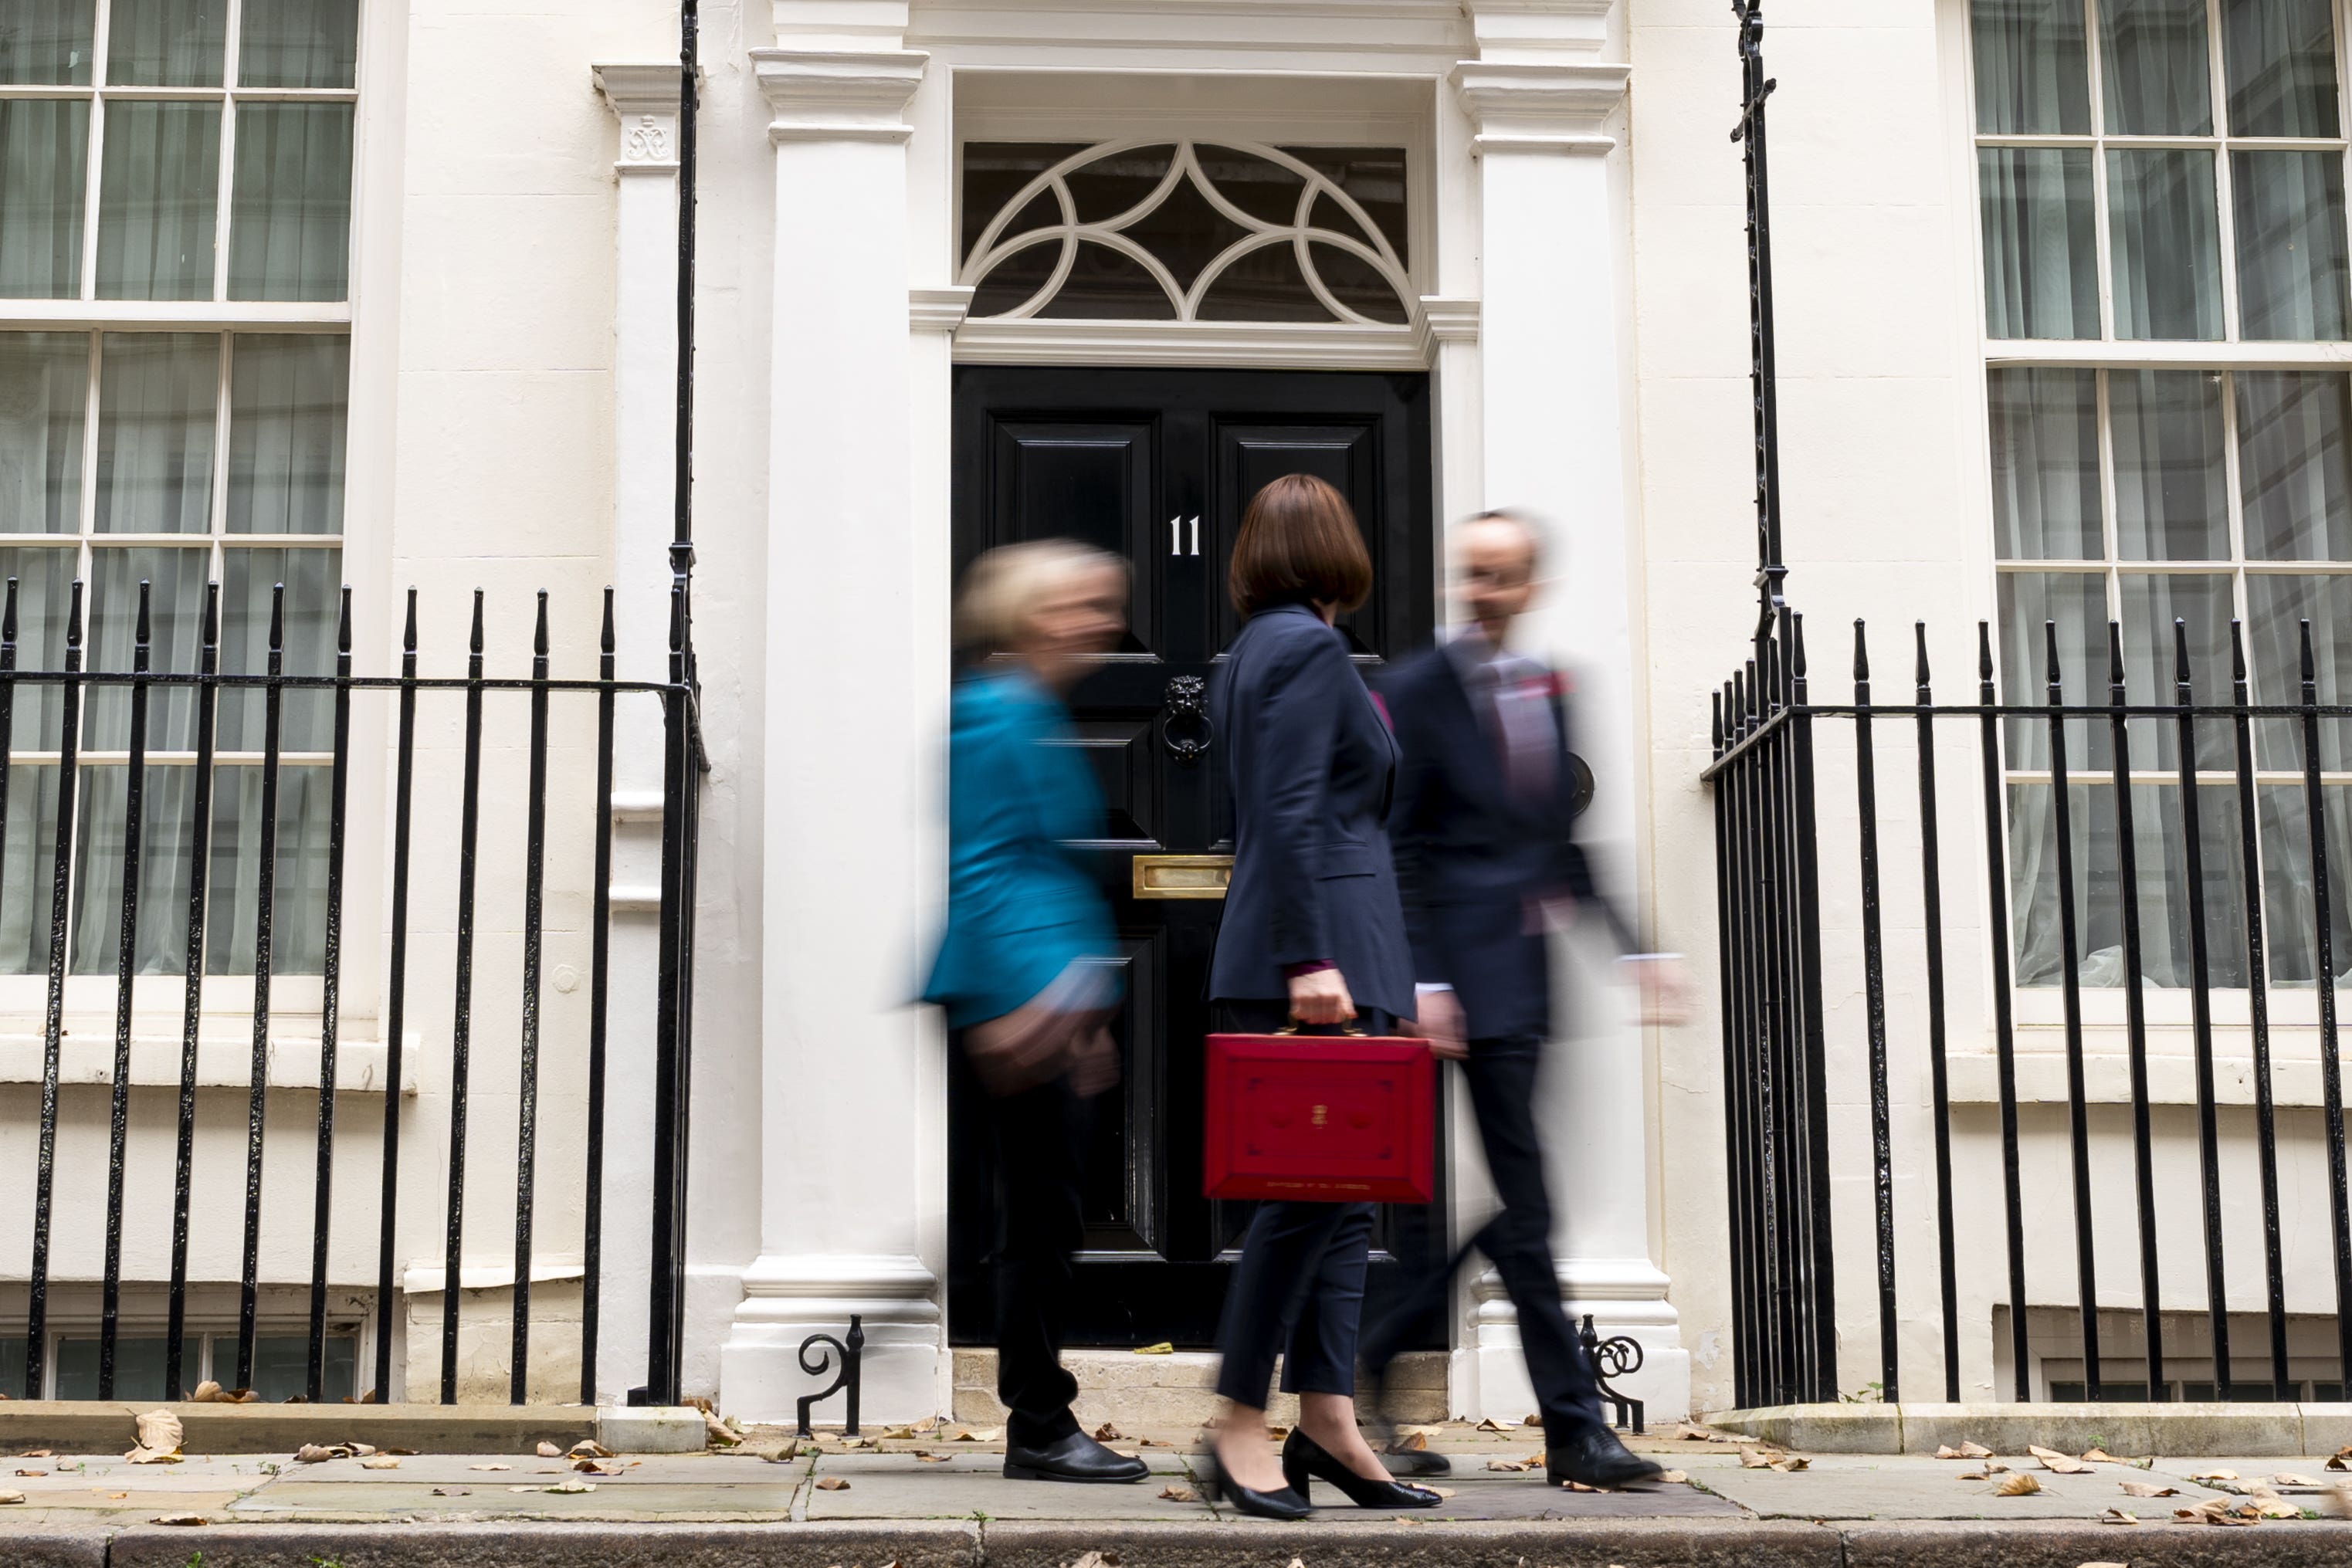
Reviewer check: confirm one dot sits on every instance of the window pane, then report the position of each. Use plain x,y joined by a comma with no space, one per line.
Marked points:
2045,465
298,907
2166,244
307,719
44,153
44,592
2291,465
2160,854
157,198
157,397
47,44
2151,604
298,42
286,423
12,1366
2281,56
2031,73
138,1368
2161,846
2077,601
2291,262
32,847
289,233
2041,252
281,1367
175,631
2276,606
166,813
2287,906
166,43
43,393
2171,493
2153,67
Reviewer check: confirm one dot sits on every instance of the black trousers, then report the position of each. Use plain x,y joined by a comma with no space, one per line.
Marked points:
1502,1076
1299,1286
1041,1140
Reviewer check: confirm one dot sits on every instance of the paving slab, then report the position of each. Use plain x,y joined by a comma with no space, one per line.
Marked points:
971,1486
1530,1497
1842,1487
651,1499
89,1427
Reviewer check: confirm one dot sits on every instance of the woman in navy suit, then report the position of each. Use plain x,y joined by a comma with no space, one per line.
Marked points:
1312,931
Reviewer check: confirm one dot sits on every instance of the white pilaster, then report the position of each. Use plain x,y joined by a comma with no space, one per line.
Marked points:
852,751
1554,378
644,371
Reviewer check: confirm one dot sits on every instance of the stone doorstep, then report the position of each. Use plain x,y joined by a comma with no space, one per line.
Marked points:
1014,1544
1176,1390
91,1426
2190,1431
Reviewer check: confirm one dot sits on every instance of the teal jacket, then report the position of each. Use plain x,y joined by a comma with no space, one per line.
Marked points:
1021,907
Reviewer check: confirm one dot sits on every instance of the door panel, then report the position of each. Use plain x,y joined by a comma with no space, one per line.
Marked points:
1157,467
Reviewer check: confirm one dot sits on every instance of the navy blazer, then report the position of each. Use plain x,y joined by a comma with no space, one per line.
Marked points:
1312,766
1471,860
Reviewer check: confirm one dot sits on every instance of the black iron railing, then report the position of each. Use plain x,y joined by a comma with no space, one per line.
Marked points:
1779,1040
203,688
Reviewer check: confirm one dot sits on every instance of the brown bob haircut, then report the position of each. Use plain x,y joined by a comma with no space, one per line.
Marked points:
1298,545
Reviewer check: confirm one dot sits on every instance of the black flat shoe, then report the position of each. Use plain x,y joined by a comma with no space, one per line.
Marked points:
1076,1458
1598,1459
1287,1504
1303,1457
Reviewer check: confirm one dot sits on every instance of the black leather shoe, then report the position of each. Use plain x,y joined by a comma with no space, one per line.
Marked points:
1415,1461
1285,1505
1598,1459
1076,1458
1303,1457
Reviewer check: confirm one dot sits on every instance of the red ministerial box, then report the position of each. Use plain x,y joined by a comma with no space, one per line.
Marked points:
1320,1119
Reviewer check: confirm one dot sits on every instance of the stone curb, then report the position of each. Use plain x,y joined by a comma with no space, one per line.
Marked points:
49,1548
926,1543
1599,1543
87,1427
2062,1543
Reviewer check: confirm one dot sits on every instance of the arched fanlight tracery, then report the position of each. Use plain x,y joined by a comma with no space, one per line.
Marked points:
1193,231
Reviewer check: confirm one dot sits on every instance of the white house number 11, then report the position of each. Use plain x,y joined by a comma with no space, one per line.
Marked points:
1176,536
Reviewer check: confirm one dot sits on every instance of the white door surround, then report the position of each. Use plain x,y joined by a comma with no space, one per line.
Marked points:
1515,309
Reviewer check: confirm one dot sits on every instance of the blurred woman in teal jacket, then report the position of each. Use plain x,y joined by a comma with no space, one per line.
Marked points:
1025,969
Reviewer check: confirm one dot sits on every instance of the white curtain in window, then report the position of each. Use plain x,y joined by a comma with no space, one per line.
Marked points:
32,835
2165,239
2287,884
2040,256
298,907
298,42
2161,864
2152,64
2291,257
44,579
2200,602
44,149
2276,606
2032,71
47,44
2045,465
157,205
306,719
2077,601
165,816
286,434
166,43
176,578
290,232
2171,491
158,394
2292,475
44,385
2281,58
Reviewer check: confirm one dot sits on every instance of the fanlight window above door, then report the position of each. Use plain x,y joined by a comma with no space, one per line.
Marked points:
1186,231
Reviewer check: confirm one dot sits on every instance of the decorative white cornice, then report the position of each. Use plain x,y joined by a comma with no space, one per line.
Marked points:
938,309
839,95
644,97
1448,321
1538,29
1554,106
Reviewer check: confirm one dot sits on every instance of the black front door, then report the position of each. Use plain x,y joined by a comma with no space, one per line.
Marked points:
1157,466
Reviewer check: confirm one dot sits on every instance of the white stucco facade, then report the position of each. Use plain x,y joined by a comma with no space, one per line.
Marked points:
1580,304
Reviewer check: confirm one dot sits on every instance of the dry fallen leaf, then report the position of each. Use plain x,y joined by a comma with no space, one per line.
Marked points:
2341,1460
1753,1459
37,1454
1513,1465
2115,1516
1150,1443
2064,1464
548,1452
2214,1476
2016,1485
32,1472
179,1518
927,1426
452,1491
312,1454
1162,1348
1789,1465
362,1450
2101,1457
1441,1492
2148,1489
380,1462
1277,1433
208,1393
489,1467
1673,1476
590,1449
12,1497
573,1487
115,1495
1491,1424
923,1458
1106,1433
1177,1494
1530,1420
899,1433
832,1483
1687,1433
1094,1560
1964,1451
2288,1479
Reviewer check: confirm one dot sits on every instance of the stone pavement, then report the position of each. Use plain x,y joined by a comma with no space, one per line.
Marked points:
932,1501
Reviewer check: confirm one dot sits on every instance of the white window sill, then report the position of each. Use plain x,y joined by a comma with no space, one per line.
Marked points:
221,1063
1974,1075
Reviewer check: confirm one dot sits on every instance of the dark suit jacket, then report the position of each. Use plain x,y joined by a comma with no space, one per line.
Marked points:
1312,766
1471,859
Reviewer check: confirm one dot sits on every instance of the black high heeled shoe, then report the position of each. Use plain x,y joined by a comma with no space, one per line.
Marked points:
1303,1457
1288,1504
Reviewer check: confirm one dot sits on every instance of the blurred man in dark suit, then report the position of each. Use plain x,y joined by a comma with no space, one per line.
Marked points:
1486,864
